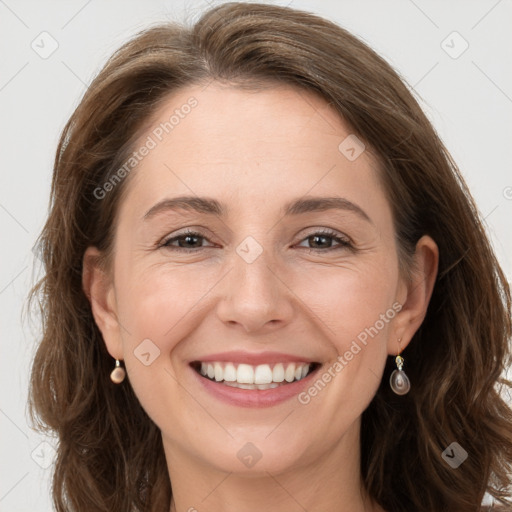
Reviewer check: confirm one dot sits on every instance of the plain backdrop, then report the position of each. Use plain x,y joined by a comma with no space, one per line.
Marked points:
455,55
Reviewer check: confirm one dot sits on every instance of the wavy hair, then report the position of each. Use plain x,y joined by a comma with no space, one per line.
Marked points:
110,455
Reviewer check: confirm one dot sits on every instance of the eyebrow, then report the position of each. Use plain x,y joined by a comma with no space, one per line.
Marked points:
320,204
191,203
299,206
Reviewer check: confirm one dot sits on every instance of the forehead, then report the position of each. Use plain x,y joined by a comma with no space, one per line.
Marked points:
276,142
223,116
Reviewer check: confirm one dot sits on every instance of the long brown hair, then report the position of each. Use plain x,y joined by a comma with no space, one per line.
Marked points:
110,455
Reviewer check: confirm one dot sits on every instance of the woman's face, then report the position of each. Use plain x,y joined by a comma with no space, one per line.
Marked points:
292,261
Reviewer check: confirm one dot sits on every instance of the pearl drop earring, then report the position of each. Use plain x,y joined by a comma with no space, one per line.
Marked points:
399,382
118,373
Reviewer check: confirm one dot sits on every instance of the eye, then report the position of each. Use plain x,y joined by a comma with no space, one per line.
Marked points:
189,241
322,240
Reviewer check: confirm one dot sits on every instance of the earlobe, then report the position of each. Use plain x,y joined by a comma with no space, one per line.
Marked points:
416,294
99,289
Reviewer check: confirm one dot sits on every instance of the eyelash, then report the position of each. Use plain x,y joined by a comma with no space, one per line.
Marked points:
344,243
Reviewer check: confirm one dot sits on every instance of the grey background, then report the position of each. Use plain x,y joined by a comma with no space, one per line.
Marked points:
468,98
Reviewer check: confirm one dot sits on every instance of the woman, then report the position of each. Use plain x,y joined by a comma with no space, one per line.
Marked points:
267,284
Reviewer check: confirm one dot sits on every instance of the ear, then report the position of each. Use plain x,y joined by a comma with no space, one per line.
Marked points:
414,294
99,289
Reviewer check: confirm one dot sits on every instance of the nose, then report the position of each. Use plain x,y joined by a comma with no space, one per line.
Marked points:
254,297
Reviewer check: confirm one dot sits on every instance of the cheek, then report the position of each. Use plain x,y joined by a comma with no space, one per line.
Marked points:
350,301
356,310
155,301
158,307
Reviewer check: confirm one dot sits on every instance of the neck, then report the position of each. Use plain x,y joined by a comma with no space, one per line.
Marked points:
328,482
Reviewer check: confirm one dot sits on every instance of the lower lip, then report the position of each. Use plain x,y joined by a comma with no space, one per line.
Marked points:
254,397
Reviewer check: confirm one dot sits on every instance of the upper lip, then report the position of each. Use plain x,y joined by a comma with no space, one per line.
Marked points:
242,357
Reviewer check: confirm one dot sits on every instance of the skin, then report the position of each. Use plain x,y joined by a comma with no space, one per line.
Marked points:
254,152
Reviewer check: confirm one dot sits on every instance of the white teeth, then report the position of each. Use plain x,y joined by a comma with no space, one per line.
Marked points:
278,373
230,373
270,385
252,386
261,376
245,374
244,386
289,373
219,374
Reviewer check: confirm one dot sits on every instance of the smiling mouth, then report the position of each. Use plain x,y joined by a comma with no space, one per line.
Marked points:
246,376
